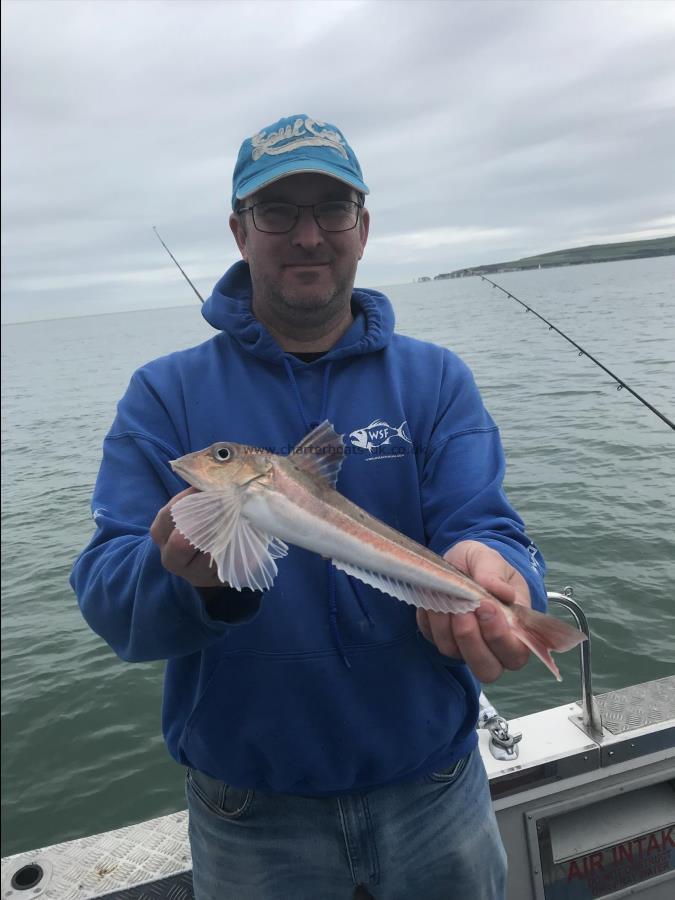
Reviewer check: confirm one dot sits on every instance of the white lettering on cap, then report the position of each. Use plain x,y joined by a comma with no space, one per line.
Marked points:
303,133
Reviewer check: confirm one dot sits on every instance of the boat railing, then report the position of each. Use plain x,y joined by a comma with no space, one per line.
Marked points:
590,711
504,743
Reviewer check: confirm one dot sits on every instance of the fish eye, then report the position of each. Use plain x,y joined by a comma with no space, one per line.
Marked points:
221,453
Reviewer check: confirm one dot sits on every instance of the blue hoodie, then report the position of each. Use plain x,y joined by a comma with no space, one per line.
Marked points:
322,685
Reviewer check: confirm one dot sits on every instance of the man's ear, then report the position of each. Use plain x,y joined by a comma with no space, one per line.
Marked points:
364,228
239,232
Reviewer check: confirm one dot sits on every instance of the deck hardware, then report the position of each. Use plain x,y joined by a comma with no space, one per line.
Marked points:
30,876
503,744
591,721
27,877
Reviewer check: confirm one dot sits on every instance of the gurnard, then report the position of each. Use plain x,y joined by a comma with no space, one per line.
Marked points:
250,502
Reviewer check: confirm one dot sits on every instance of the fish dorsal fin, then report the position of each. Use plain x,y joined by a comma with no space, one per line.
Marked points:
320,453
244,554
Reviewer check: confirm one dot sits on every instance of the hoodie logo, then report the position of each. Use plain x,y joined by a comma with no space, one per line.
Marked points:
534,562
303,133
379,433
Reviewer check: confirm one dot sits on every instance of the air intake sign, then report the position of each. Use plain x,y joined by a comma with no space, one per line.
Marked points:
615,867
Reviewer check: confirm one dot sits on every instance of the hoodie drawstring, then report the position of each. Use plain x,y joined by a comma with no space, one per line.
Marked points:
298,399
296,392
332,617
330,572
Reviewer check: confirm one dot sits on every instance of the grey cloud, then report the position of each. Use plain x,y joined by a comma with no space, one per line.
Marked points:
486,131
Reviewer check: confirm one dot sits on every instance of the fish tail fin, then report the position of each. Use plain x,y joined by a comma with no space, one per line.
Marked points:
403,432
543,633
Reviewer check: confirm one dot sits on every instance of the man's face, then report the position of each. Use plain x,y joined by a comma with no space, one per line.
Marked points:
307,271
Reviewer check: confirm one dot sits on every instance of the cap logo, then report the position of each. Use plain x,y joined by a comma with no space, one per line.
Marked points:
303,133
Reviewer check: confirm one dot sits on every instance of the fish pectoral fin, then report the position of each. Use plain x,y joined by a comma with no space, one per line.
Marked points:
320,453
422,597
212,521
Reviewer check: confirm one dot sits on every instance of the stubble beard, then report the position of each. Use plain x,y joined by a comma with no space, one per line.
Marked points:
308,313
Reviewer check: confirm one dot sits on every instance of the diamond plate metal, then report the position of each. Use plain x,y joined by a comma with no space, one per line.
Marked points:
637,706
149,855
176,887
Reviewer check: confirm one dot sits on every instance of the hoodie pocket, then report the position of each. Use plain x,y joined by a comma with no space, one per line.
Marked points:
310,725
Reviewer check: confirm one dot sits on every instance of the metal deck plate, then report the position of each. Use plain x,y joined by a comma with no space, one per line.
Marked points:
111,863
637,706
176,887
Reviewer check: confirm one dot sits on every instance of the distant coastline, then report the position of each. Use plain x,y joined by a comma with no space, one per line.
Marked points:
573,257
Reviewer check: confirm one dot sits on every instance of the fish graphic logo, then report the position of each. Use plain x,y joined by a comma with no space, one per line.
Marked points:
379,433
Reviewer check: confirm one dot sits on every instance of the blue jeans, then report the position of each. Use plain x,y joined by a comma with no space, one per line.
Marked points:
433,838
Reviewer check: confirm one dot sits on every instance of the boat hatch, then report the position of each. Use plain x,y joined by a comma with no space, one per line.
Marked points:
607,848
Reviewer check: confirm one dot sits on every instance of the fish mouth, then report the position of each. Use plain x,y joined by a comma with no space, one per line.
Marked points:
180,469
187,475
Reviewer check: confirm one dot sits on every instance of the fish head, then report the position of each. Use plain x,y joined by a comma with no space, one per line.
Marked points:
222,465
359,438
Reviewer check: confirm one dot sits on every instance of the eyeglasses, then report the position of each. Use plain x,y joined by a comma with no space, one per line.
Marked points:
274,217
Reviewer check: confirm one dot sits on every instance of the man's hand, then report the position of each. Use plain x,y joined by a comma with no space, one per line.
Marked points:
482,638
178,555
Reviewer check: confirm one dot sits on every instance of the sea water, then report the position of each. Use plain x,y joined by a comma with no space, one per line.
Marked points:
590,469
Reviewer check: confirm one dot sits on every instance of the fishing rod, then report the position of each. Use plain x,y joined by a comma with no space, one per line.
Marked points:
620,383
178,264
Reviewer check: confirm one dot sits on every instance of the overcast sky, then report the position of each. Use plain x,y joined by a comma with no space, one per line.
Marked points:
485,130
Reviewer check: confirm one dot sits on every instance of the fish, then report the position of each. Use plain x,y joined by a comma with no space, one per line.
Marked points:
251,503
377,434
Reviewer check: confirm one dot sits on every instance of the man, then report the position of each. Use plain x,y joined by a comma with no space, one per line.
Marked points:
328,730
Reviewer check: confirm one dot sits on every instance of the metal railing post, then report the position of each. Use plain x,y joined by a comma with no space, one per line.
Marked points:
590,717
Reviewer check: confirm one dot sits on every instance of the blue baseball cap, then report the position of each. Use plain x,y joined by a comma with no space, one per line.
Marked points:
290,146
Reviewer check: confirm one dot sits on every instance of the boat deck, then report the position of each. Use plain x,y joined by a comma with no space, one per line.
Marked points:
151,860
638,706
